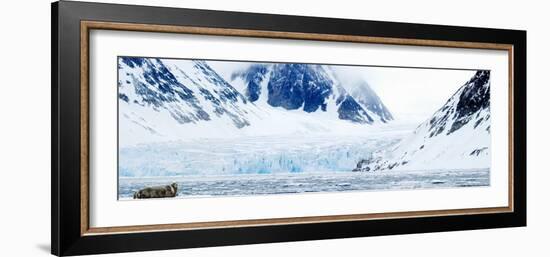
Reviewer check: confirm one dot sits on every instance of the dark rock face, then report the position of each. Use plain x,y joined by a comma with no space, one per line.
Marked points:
223,96
227,92
309,87
472,97
254,75
362,165
295,85
370,101
350,110
157,76
158,87
477,152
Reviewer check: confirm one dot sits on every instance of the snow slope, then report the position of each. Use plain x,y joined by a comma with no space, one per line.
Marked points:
157,96
163,100
456,136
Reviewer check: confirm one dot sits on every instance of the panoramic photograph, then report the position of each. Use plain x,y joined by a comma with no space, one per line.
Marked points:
215,128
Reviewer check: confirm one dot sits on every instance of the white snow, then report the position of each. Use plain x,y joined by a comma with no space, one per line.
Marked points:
466,148
153,143
445,151
142,124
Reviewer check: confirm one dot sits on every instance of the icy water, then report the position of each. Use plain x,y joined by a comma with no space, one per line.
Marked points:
291,183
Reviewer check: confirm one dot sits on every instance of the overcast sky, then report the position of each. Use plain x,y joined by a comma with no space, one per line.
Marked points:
409,93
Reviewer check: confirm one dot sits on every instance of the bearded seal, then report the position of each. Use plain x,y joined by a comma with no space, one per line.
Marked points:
157,192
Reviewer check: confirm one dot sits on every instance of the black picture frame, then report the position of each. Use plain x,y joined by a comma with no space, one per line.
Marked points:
66,236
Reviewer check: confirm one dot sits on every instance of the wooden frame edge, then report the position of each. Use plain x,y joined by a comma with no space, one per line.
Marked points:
86,26
84,129
289,221
286,35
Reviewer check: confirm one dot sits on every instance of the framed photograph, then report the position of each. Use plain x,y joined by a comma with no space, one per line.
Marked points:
178,128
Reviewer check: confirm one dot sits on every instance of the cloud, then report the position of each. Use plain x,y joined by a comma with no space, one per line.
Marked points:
410,93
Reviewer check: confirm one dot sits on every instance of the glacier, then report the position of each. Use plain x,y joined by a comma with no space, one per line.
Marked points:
251,155
277,128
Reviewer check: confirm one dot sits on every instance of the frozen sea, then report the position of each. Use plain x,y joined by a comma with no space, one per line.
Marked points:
307,182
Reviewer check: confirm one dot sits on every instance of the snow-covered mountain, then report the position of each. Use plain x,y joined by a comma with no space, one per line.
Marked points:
155,96
171,99
311,88
457,136
369,100
196,94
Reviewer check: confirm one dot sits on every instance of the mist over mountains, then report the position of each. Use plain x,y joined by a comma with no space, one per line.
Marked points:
191,92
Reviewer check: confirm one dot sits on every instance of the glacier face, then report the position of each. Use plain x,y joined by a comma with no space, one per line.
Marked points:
456,136
250,155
